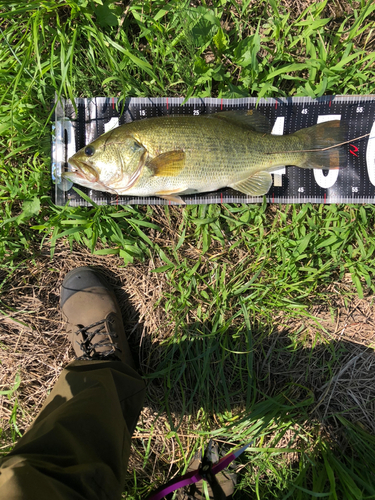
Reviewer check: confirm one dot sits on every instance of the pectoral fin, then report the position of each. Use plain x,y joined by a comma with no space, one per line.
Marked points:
168,164
256,185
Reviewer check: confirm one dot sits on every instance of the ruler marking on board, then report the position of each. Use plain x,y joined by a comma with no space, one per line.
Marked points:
353,184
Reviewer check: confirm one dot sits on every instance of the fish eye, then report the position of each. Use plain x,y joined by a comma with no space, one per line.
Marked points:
89,151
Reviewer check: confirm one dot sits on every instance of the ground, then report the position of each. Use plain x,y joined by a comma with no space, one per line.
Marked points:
35,348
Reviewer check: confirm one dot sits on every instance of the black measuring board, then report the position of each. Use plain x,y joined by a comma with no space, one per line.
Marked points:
355,183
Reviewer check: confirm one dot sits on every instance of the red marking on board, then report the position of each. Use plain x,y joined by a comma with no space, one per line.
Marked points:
221,105
330,102
169,202
117,200
354,150
167,103
273,197
325,197
113,103
275,104
221,197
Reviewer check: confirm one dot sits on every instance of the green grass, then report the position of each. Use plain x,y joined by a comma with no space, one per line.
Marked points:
233,273
13,432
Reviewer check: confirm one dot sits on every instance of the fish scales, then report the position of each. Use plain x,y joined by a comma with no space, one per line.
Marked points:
216,150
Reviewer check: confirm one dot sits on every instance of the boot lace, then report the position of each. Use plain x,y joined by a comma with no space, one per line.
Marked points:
90,349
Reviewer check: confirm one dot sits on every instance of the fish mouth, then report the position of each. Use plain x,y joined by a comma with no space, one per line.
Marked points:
82,170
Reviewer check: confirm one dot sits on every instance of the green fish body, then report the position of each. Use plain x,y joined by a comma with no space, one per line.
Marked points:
176,155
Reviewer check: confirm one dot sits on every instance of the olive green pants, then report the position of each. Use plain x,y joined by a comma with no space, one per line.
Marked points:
78,447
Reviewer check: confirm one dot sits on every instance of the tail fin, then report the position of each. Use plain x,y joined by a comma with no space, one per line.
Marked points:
319,137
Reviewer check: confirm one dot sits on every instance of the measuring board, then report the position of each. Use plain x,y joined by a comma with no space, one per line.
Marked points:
353,184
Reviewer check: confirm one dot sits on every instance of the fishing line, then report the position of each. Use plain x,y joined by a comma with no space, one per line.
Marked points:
322,149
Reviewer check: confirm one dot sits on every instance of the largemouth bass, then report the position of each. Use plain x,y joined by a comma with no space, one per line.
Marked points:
176,155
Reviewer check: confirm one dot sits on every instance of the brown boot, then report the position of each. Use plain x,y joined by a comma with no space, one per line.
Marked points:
93,316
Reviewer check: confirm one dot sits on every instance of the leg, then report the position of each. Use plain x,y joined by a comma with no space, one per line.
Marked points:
78,447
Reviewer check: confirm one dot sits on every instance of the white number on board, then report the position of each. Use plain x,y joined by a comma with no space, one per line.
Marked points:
113,123
326,181
370,155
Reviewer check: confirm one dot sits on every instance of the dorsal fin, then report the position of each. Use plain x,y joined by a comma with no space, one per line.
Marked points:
247,118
